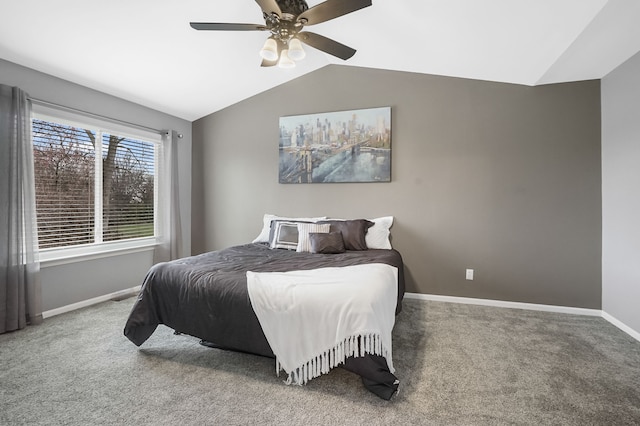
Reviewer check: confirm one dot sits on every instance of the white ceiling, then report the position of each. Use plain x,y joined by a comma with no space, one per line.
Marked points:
144,50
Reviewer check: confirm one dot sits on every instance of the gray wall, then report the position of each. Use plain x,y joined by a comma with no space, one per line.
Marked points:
78,281
621,193
501,178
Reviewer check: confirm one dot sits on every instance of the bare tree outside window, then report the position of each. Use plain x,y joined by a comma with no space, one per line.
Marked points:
65,194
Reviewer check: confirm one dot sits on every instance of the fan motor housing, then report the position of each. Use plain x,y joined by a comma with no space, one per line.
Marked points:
292,7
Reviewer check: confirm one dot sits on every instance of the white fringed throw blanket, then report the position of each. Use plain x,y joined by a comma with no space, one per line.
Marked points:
315,319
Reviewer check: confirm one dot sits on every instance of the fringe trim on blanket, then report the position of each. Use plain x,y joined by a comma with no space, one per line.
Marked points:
354,346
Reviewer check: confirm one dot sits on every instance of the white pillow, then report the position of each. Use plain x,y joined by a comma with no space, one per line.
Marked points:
377,237
304,243
263,237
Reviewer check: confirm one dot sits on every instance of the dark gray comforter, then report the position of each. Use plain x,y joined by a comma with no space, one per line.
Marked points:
206,296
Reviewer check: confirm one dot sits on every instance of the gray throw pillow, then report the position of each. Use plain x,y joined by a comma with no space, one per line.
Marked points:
326,243
353,232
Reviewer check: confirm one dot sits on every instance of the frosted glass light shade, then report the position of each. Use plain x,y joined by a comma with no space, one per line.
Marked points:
285,60
296,52
269,51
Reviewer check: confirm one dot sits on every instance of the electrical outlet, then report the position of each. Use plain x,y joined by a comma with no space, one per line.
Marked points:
470,274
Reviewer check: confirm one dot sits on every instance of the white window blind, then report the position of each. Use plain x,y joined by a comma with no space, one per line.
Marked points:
92,185
64,160
128,190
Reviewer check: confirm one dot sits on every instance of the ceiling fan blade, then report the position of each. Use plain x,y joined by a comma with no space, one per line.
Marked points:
327,45
213,26
269,7
331,9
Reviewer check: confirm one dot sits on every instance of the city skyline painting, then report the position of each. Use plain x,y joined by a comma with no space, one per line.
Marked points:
339,146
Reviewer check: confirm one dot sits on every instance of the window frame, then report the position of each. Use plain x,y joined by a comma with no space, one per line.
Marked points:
99,249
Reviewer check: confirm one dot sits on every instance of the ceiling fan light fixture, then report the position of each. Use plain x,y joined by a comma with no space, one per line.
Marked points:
269,51
285,20
296,52
285,61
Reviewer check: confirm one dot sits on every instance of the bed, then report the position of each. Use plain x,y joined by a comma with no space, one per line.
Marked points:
208,296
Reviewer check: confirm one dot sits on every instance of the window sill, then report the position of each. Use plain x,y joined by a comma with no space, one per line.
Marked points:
62,256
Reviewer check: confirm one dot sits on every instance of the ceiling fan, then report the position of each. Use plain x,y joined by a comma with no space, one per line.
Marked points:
285,19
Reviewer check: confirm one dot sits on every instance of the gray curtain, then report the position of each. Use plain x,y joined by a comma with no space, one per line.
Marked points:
20,295
170,245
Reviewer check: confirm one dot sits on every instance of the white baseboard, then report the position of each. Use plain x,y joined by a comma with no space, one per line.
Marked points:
622,326
506,304
433,297
89,302
530,306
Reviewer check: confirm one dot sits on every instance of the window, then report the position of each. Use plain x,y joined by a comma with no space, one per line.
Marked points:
95,185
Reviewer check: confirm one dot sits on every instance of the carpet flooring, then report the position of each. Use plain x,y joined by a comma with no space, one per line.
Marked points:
458,365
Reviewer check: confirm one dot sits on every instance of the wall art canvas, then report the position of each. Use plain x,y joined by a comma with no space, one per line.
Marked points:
343,146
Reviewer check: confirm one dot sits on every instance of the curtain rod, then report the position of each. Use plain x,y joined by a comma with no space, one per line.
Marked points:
94,115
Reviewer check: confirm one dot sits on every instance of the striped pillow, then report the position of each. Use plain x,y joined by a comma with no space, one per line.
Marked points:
304,243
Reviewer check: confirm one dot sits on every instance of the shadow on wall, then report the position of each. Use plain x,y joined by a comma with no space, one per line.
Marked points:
409,280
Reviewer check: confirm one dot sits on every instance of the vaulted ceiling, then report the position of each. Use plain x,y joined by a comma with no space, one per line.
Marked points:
145,51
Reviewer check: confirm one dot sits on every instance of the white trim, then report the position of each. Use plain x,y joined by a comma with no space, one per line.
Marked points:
506,304
98,248
89,302
63,256
98,215
528,306
622,326
432,297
